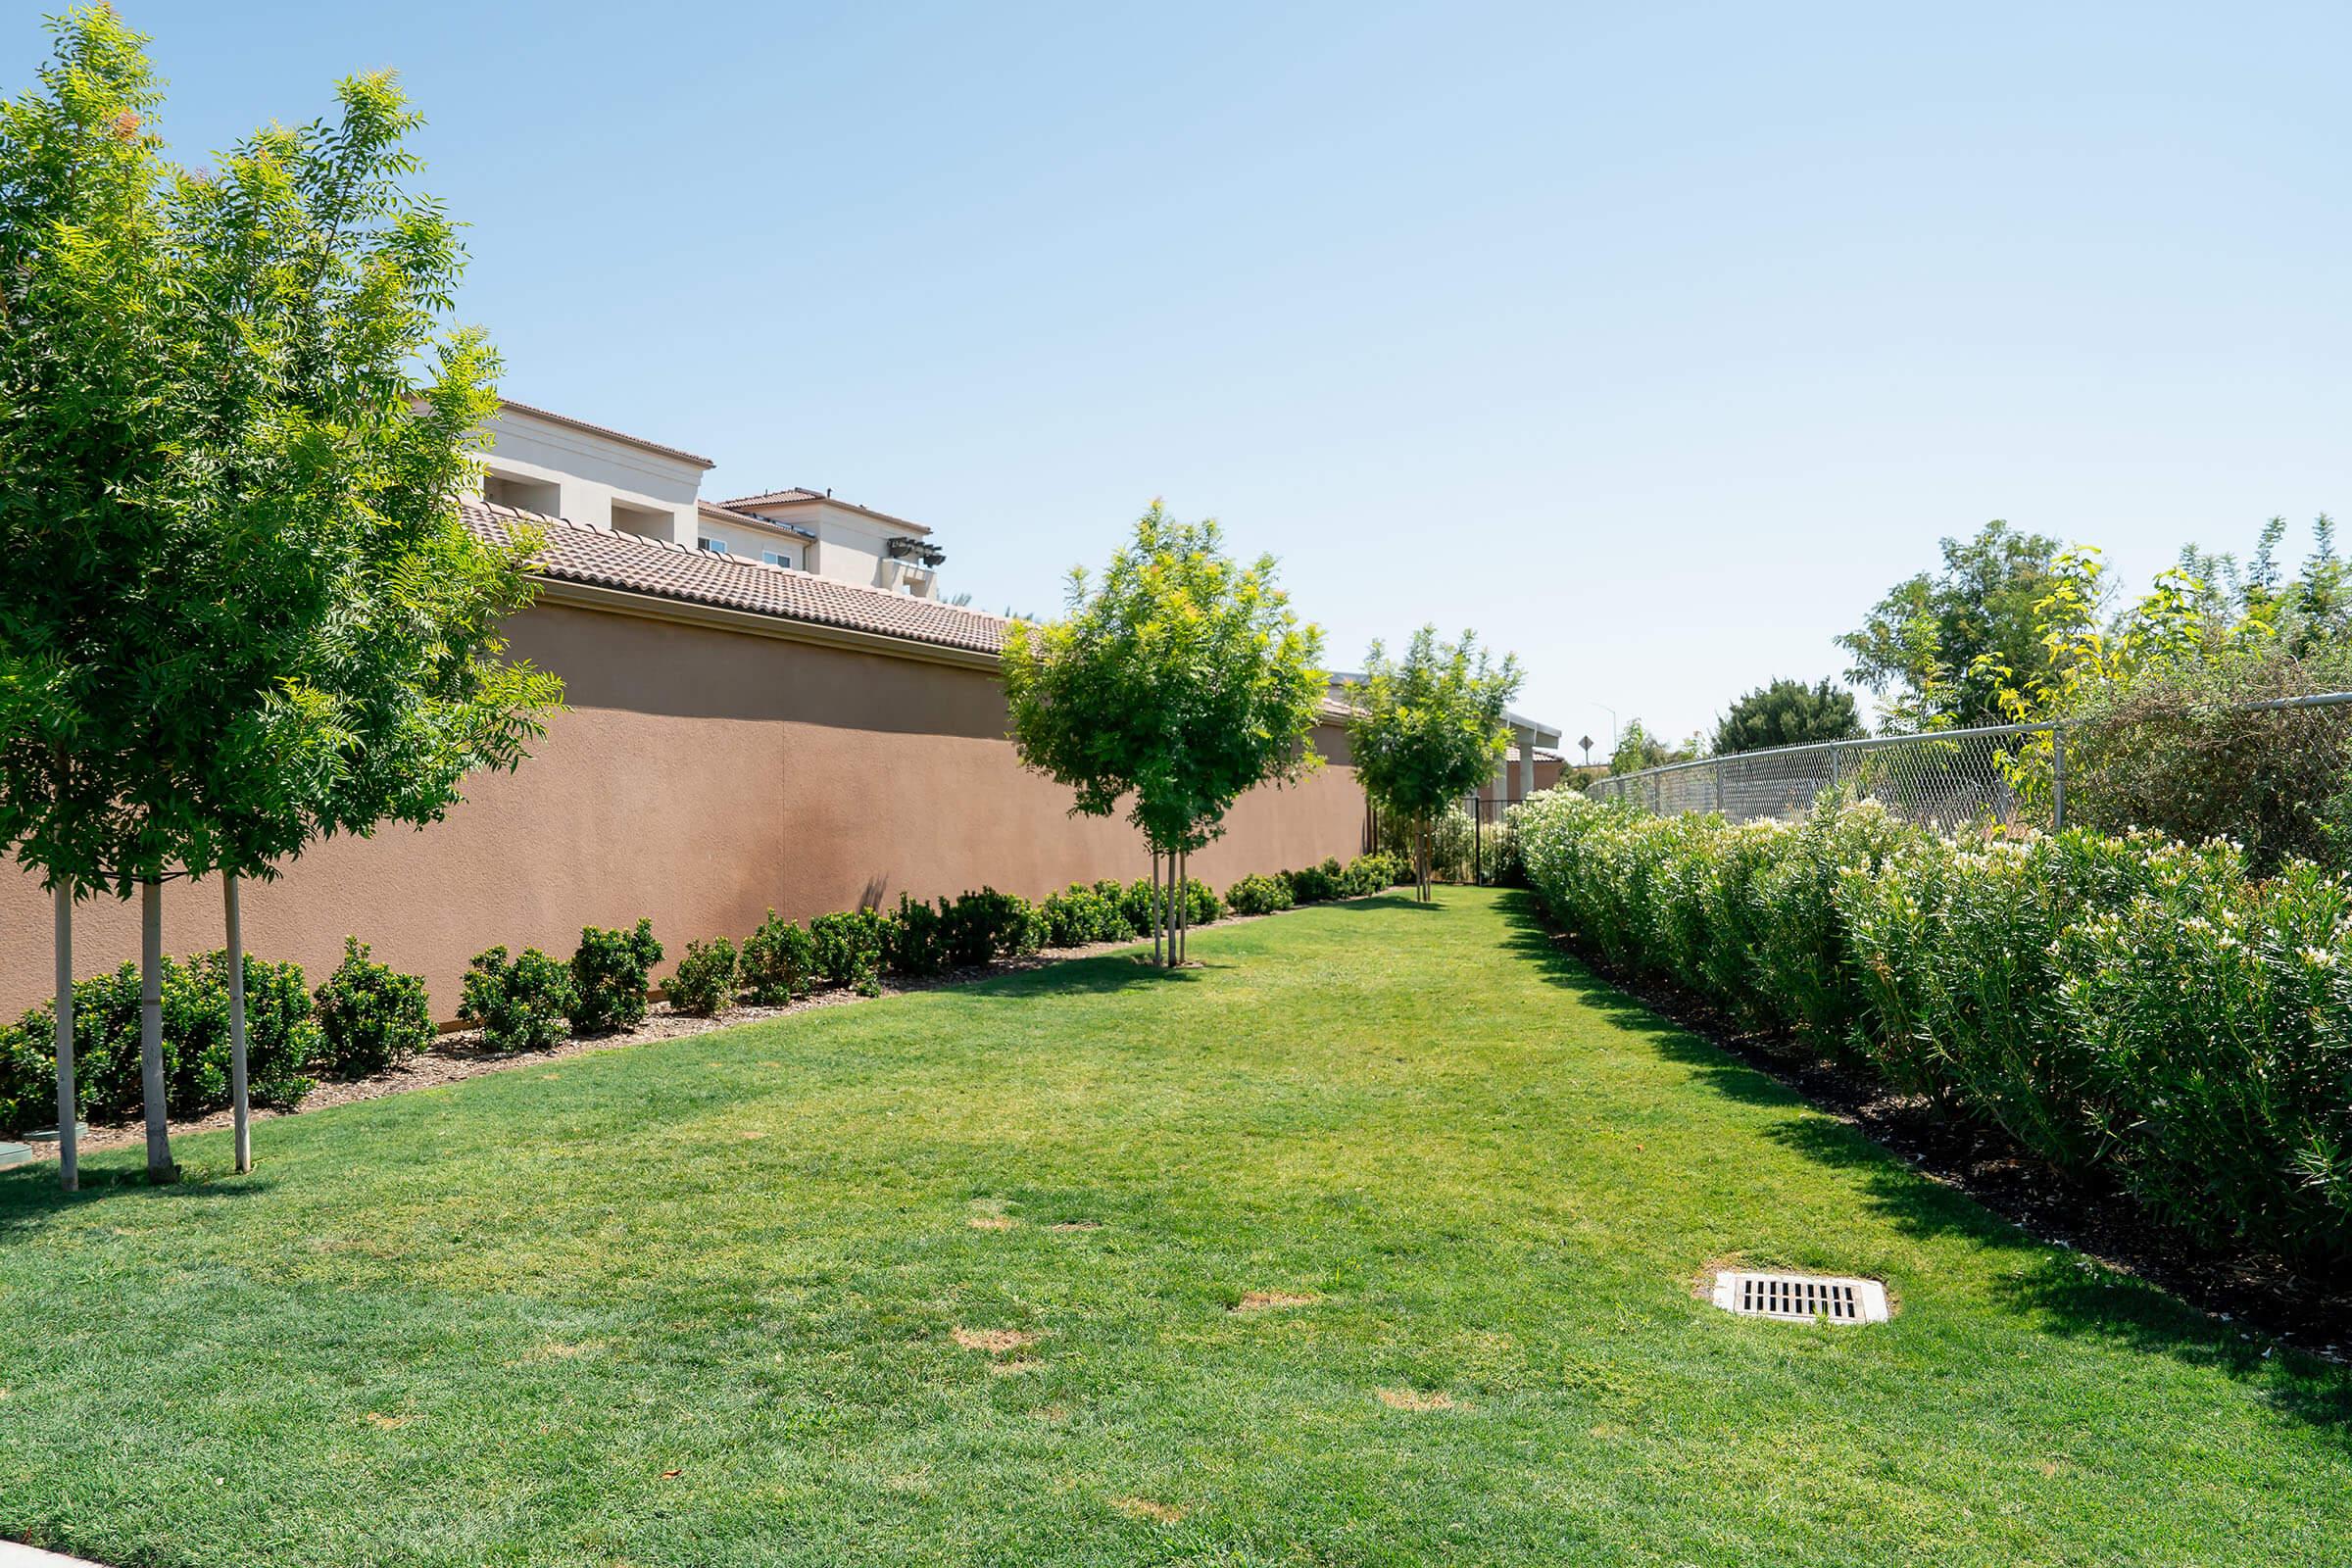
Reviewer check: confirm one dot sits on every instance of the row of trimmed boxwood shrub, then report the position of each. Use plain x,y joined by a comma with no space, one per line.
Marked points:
2130,1007
366,1017
369,1016
530,1000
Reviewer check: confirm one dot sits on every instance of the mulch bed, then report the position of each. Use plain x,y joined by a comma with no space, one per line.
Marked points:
2250,1291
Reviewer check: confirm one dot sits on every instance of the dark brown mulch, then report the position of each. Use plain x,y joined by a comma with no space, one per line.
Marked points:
2254,1292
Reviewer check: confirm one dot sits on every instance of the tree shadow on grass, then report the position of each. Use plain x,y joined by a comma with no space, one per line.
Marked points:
1108,975
2058,1291
29,1193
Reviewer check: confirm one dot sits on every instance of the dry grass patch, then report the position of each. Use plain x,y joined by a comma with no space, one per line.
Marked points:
1417,1399
1159,1513
995,1341
1273,1301
991,1222
377,1418
1015,1367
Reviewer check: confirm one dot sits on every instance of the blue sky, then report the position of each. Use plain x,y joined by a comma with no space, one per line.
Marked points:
1651,341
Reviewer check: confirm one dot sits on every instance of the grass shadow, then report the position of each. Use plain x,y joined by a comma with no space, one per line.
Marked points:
1107,975
2060,1292
30,1195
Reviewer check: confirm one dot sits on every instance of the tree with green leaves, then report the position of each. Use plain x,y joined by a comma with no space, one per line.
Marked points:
1177,684
239,609
1787,712
1935,648
1428,729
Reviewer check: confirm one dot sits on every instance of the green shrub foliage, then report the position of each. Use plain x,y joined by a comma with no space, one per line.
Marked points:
1317,884
915,940
611,977
1258,895
778,960
519,1003
849,947
2127,1005
705,980
370,1015
282,1043
1080,915
988,925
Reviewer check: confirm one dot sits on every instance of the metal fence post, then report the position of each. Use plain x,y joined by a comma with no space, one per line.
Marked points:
2058,779
1717,770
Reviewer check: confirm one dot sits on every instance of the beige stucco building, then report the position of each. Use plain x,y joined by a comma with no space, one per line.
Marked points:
553,465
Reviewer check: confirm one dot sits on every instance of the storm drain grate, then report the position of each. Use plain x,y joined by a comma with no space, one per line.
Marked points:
1801,1297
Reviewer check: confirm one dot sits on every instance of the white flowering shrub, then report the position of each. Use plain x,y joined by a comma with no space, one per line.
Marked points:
2130,1003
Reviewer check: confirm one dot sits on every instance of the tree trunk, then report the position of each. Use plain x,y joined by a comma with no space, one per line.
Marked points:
1183,903
236,1024
1157,929
150,1030
69,1102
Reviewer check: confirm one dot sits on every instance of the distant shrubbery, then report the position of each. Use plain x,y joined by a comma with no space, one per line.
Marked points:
283,1042
2132,1006
520,1004
367,1017
708,978
370,1015
779,959
1258,895
609,976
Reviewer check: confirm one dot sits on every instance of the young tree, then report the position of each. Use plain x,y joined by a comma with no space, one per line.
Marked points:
238,609
1427,730
1787,712
1933,644
1178,684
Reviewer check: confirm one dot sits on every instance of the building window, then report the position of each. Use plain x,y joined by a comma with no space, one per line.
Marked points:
715,547
776,558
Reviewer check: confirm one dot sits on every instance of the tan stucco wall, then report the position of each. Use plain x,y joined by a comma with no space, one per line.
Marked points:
699,776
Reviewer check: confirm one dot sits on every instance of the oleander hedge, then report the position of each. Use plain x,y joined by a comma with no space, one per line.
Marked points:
2129,1007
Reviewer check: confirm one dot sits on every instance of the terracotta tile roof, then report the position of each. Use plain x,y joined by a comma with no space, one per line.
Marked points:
712,508
801,495
604,431
581,553
776,498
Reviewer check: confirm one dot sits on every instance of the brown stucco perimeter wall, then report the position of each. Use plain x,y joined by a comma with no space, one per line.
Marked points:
699,776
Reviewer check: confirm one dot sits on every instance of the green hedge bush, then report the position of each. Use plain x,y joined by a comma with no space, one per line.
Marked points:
778,960
2131,1006
283,1042
1258,895
705,979
611,976
1081,915
984,926
519,1003
371,1017
849,947
1316,884
915,940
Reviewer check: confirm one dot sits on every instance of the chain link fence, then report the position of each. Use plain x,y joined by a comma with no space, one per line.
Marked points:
2000,775
2009,774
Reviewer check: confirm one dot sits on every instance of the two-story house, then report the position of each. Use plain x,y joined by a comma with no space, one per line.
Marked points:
557,467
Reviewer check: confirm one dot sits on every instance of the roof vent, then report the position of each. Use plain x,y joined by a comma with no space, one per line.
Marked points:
1801,1297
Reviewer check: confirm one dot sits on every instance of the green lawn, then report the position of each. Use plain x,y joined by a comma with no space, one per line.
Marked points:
697,1303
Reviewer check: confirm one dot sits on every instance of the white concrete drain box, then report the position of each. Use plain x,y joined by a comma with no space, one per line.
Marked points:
1801,1297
